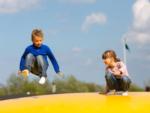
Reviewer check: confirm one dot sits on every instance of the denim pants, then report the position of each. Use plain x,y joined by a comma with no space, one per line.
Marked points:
36,65
119,84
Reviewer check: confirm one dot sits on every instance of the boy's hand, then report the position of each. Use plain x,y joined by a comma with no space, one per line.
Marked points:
19,72
24,73
60,74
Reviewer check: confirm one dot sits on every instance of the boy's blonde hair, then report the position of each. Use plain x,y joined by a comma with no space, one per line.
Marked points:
37,32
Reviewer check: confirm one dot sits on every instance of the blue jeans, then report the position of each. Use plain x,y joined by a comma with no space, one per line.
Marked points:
36,65
119,84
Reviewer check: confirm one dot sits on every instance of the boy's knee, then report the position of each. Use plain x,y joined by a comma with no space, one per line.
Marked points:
40,59
29,56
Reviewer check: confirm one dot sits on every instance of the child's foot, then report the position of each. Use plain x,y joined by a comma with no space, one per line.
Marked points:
118,92
25,73
123,93
110,92
42,80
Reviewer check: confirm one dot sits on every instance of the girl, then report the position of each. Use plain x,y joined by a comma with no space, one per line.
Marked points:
116,74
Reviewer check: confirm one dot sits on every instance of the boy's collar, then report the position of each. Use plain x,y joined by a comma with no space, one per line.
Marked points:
36,46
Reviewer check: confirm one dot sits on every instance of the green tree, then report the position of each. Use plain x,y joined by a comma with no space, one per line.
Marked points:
135,88
72,85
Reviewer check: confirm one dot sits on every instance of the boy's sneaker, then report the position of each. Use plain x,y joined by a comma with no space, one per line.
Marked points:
110,92
42,80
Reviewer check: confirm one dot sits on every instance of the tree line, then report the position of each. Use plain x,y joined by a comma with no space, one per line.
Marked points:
18,85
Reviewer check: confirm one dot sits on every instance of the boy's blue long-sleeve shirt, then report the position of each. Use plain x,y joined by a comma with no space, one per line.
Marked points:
42,50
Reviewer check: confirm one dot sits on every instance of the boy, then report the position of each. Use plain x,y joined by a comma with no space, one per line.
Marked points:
34,59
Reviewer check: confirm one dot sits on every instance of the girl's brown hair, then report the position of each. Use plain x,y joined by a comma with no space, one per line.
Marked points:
37,32
110,54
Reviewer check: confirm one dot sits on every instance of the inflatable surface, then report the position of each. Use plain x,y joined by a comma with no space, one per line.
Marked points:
135,102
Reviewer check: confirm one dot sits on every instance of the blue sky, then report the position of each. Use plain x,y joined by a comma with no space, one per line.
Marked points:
78,32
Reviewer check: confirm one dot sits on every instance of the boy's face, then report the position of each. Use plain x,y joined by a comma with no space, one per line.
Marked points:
37,41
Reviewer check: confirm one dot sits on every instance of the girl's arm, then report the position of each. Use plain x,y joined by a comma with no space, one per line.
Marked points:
123,69
120,69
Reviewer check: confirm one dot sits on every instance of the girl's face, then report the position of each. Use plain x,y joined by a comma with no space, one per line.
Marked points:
37,41
108,61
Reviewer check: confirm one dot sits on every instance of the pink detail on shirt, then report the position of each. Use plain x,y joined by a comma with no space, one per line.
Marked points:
120,66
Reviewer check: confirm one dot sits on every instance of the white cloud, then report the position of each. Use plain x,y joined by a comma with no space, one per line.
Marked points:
12,6
93,19
140,30
79,1
141,10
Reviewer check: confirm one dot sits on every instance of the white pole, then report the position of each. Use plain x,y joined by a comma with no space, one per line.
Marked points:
124,51
53,87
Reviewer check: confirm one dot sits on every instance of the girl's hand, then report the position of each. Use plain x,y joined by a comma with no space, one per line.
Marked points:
117,73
